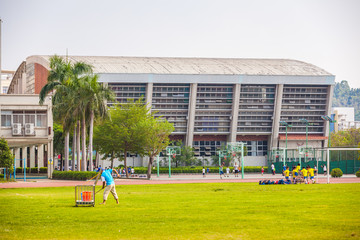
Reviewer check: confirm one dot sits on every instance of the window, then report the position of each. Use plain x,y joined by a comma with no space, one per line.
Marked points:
6,118
5,89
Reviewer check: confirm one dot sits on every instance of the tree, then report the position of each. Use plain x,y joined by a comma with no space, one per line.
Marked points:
95,101
124,131
157,131
187,156
346,138
62,79
6,158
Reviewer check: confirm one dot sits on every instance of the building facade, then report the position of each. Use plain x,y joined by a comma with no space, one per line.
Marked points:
214,101
27,127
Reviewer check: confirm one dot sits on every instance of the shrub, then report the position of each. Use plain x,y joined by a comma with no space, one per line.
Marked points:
357,173
192,169
336,172
75,175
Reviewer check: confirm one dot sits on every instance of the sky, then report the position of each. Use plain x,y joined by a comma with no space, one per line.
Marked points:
325,33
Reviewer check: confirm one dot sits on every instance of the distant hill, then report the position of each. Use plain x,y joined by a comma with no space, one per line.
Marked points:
344,96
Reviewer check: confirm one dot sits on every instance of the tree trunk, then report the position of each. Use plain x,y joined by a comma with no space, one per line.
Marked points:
112,160
151,159
83,144
91,139
97,159
73,150
66,164
78,150
125,165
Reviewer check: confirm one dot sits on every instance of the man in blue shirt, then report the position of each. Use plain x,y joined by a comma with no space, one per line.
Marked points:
110,184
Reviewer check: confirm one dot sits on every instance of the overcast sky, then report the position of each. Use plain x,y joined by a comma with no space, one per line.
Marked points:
325,33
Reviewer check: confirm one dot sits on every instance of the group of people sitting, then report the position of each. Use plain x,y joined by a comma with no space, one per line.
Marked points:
306,174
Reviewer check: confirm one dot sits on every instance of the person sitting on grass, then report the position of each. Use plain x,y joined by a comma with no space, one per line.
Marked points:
304,174
311,174
287,174
110,184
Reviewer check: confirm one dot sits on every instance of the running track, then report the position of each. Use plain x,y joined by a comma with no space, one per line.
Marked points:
162,180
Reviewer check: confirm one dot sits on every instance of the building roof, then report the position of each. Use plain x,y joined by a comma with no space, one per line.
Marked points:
221,66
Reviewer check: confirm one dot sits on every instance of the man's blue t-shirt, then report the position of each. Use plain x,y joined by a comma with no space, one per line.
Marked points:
107,175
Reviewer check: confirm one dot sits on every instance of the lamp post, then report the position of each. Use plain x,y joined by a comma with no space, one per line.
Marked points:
328,119
283,123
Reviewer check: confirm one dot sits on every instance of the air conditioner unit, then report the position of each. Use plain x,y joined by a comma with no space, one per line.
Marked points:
29,129
16,129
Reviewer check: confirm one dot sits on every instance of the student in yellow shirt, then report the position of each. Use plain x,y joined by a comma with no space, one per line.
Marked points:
295,174
305,174
287,174
311,174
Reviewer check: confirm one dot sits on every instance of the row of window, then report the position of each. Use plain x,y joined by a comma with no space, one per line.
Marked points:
38,118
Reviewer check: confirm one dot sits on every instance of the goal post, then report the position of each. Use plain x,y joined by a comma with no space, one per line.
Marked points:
238,147
328,150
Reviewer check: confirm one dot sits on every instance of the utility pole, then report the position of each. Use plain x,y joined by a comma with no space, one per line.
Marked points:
0,59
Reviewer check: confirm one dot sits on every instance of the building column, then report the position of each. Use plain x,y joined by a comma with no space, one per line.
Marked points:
234,113
17,153
40,156
276,116
330,92
24,156
149,93
191,115
32,156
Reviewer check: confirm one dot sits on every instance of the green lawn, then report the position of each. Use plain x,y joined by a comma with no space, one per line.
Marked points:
186,211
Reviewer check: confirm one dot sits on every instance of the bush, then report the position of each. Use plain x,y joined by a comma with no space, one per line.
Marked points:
336,172
75,175
193,169
33,170
357,173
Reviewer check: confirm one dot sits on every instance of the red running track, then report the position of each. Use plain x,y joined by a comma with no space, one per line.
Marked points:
63,183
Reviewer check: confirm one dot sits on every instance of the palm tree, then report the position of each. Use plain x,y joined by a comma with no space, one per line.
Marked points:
95,96
62,76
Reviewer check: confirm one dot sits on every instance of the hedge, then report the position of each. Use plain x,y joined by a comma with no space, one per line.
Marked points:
143,170
357,173
33,170
73,175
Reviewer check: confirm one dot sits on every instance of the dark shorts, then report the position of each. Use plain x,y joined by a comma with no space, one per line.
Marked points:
236,171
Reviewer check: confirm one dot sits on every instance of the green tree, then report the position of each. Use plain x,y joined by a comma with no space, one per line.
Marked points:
6,158
96,96
187,156
344,96
62,78
157,131
346,138
126,128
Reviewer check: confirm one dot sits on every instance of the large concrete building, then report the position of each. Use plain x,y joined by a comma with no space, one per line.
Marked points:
213,101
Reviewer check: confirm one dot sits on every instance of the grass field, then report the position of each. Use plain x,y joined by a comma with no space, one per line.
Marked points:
186,211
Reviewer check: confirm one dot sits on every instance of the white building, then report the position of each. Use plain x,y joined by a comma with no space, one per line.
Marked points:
345,118
27,127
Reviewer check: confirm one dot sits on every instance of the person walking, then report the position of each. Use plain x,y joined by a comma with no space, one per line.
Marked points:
107,178
273,169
